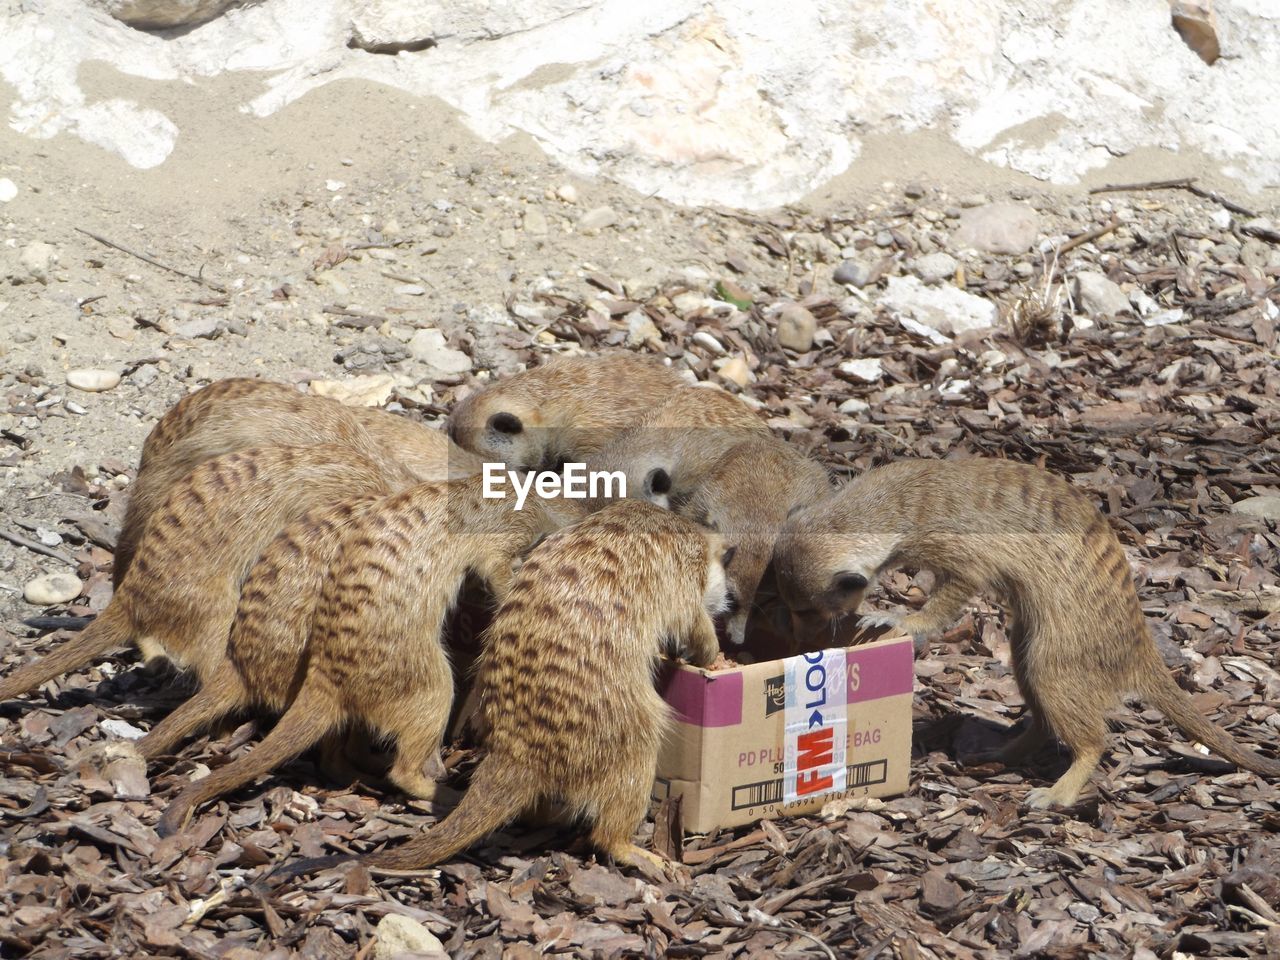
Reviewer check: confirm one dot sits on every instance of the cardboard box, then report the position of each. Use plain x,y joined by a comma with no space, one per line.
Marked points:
784,737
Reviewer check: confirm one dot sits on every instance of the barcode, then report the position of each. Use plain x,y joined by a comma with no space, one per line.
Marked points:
750,795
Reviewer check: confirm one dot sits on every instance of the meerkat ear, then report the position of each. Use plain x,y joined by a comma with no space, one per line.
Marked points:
794,510
658,481
849,582
726,558
506,423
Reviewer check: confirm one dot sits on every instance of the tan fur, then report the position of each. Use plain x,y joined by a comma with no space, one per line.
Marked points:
237,413
667,455
746,495
268,640
1078,636
375,654
566,678
179,597
564,410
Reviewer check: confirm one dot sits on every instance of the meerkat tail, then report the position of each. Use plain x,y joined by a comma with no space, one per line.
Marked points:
108,631
495,797
1158,687
310,717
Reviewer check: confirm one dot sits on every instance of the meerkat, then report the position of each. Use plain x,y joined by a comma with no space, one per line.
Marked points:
666,456
375,652
566,680
179,597
1077,633
562,411
268,639
238,413
746,495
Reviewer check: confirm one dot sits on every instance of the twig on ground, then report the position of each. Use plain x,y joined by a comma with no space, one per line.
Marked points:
1186,183
1088,236
36,547
145,258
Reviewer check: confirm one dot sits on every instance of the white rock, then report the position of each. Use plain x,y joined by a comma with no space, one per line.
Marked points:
854,406
411,289
997,228
93,381
122,729
689,301
1164,318
333,186
1099,296
1267,508
1221,218
38,259
641,329
934,267
52,588
429,347
399,935
936,312
728,105
8,189
868,369
710,343
371,390
568,193
597,218
990,359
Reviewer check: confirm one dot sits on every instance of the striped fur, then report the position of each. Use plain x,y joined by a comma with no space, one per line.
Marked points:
237,413
1078,636
375,653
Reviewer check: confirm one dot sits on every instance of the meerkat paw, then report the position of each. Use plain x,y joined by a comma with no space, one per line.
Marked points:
881,618
1048,798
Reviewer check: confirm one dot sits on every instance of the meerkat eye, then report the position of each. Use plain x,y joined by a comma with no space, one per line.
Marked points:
658,481
727,557
506,423
850,582
794,510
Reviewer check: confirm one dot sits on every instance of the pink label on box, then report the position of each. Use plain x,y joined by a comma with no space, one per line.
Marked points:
705,701
876,672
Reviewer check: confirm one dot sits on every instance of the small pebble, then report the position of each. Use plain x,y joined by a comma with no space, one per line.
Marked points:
568,193
597,218
735,370
796,328
853,273
93,381
867,369
535,222
8,189
51,589
704,339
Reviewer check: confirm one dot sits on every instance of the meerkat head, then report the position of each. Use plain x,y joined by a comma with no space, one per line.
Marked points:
744,565
500,428
822,577
718,597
